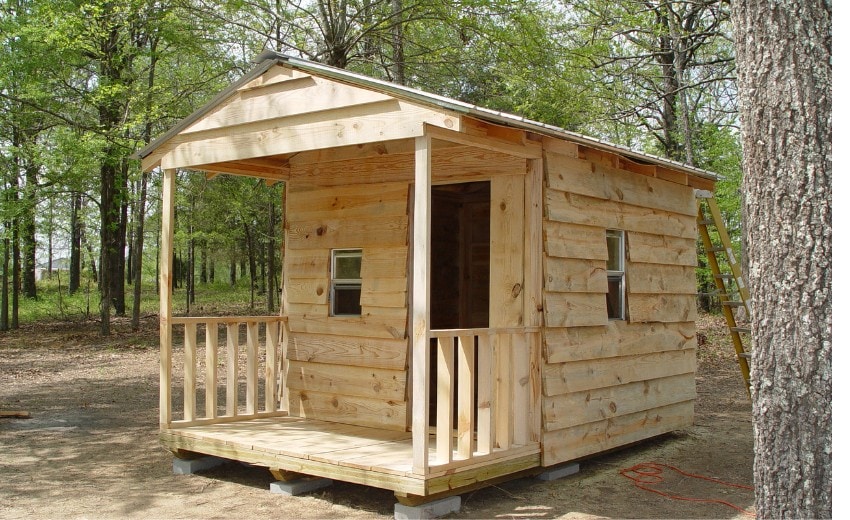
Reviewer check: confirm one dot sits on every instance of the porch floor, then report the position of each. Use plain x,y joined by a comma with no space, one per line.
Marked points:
369,456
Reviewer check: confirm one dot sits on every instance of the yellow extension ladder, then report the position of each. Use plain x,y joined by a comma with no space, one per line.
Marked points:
731,291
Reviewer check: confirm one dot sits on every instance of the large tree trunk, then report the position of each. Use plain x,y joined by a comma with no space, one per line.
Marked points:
190,257
203,263
16,259
270,250
399,72
28,234
76,244
138,249
4,288
785,70
120,258
50,229
249,241
109,242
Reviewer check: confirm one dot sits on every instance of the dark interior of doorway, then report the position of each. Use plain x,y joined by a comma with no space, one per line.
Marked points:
460,264
460,255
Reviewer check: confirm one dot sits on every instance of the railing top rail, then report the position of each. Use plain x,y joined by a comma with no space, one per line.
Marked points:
178,320
451,333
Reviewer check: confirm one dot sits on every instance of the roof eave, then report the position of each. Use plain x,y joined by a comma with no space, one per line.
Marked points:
261,67
269,58
486,114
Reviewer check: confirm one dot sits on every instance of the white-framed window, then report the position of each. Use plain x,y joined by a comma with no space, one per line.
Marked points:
616,298
346,284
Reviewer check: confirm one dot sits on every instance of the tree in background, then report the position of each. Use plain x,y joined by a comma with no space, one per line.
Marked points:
785,77
102,78
662,67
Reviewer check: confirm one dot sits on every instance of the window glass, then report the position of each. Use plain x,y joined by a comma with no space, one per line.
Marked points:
346,284
347,266
616,297
615,259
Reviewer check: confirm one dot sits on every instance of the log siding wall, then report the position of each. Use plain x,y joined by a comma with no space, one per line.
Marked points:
348,369
608,383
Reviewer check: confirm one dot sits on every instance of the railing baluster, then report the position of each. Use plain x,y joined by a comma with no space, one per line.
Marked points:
271,365
232,369
502,393
252,340
486,432
465,395
445,398
211,379
190,343
519,382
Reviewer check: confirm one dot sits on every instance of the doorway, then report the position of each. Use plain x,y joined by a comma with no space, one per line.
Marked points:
460,265
460,255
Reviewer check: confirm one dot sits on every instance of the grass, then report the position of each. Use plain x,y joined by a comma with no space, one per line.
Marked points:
55,304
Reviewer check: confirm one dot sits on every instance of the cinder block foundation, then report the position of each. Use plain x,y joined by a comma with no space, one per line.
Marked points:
299,486
434,509
558,472
192,466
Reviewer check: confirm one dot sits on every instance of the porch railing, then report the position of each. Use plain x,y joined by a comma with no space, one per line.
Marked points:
487,395
237,376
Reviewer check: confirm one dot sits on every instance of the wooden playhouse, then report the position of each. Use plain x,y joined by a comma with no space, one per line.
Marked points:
467,296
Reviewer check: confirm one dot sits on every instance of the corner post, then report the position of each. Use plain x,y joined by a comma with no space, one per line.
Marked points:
533,293
165,279
420,303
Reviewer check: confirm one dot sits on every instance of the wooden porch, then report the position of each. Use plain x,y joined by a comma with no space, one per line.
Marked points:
225,395
368,456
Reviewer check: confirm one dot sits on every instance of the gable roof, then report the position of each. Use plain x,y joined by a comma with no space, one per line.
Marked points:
268,58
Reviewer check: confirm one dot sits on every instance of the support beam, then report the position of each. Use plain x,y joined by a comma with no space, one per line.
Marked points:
529,150
420,302
165,279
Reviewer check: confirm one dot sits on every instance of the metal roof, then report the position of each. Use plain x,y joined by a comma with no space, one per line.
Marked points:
269,58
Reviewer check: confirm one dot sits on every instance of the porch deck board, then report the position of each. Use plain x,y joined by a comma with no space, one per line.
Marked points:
297,437
334,450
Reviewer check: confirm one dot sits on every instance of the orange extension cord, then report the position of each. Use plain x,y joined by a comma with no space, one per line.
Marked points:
647,473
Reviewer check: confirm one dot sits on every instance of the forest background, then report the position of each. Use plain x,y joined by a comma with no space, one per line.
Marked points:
85,83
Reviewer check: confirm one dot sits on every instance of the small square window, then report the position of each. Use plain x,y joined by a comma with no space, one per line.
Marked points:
616,298
346,283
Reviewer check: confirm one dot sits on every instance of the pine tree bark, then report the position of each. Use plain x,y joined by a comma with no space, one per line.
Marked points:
785,70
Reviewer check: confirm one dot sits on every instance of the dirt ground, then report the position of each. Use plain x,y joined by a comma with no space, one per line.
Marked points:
90,449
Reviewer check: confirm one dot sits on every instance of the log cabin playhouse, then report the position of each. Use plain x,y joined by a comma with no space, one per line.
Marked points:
468,296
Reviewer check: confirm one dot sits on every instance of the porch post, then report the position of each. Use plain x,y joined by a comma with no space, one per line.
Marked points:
533,293
420,303
165,279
